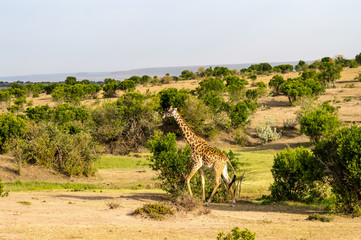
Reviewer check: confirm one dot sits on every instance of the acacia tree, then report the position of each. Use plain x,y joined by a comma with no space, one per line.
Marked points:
275,83
330,72
109,87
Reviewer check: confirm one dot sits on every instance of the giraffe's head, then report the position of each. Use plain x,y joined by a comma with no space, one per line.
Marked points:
169,112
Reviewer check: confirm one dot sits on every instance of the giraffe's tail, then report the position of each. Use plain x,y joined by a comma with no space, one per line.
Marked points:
234,175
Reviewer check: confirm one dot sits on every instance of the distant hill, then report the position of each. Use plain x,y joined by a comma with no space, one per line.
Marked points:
121,75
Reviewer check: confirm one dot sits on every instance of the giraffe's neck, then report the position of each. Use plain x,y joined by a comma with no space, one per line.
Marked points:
192,138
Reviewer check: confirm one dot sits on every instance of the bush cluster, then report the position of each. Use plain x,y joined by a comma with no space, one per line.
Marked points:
49,146
301,175
296,174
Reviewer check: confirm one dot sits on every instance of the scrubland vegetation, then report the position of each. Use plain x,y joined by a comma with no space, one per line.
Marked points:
84,126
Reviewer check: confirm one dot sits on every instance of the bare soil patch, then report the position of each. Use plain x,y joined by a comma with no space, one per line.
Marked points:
86,215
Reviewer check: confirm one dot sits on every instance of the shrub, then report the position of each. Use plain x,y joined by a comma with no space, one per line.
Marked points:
110,88
221,72
252,94
127,124
200,117
11,126
237,234
318,217
341,155
210,84
156,211
235,86
70,154
239,114
172,164
266,133
172,97
296,174
241,139
320,123
126,85
214,101
275,83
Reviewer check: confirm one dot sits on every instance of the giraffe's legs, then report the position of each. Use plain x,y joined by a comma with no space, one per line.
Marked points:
203,184
233,199
191,174
217,182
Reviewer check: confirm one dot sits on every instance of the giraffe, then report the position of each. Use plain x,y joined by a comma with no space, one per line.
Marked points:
203,156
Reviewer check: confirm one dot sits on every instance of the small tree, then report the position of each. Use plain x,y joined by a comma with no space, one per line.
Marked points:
341,156
172,165
187,75
210,84
109,88
11,126
239,114
320,123
275,83
70,80
172,97
126,85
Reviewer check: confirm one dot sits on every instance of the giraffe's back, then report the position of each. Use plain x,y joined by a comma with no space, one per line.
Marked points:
210,156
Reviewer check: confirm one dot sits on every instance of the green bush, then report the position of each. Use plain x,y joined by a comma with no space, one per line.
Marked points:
11,126
296,175
126,85
214,101
294,88
172,97
239,114
235,87
341,155
210,84
275,83
199,117
237,234
49,146
266,133
187,75
172,165
126,124
110,87
320,123
156,211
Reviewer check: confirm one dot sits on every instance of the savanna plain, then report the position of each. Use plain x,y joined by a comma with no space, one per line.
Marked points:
45,205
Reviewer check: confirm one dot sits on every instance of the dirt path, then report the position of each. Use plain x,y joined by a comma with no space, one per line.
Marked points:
85,215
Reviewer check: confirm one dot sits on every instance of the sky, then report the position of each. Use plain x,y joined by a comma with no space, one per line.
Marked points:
69,36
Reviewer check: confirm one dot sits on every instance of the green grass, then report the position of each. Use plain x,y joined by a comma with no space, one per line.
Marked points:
257,167
37,186
122,162
25,202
